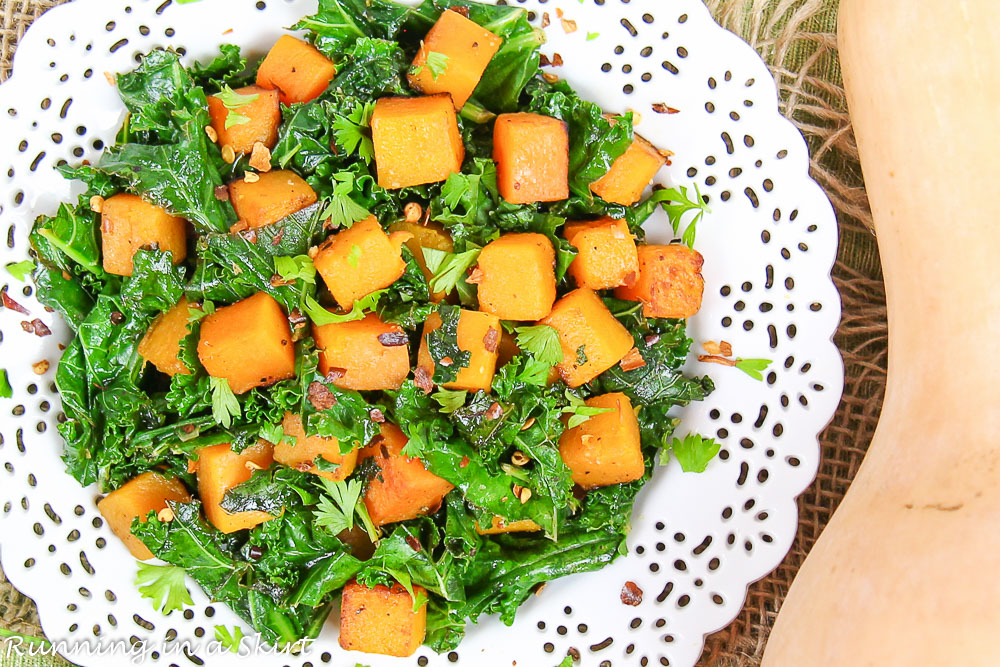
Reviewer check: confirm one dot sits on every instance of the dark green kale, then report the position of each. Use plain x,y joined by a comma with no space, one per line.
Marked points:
442,343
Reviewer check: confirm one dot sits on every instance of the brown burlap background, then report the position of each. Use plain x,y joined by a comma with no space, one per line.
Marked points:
797,38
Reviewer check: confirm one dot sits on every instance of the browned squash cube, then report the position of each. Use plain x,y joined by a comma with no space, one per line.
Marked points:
416,140
468,48
498,526
517,277
162,342
249,343
129,223
302,454
263,116
297,69
532,156
425,235
141,495
630,173
359,260
604,449
274,195
592,339
381,620
366,355
669,282
606,255
403,488
478,334
220,469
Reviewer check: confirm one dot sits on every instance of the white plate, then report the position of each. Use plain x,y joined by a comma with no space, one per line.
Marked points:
697,540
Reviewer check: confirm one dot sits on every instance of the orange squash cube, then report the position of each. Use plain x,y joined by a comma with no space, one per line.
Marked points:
425,235
517,277
592,339
141,495
416,140
630,173
498,526
302,454
532,156
605,449
162,342
669,282
249,343
129,222
274,195
296,69
221,469
370,354
478,334
263,118
358,261
381,620
403,488
468,47
605,253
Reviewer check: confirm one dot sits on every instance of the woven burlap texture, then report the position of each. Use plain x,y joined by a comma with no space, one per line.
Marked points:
797,38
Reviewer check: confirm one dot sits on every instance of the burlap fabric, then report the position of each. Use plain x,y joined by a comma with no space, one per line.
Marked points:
797,38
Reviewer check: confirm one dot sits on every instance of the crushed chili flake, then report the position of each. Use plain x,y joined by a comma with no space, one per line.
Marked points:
249,235
460,9
727,348
304,466
376,415
715,359
652,339
422,379
721,348
11,304
260,157
632,360
494,412
464,462
543,60
296,318
222,192
320,396
660,107
277,237
568,26
446,361
335,374
631,594
557,60
491,339
41,368
37,327
475,277
393,339
278,281
546,20
414,543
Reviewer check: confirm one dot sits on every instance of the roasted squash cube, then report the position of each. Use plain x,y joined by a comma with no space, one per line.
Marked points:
498,526
532,156
669,282
296,69
381,619
358,261
517,277
141,495
606,255
416,140
425,235
366,355
249,343
262,118
303,453
630,173
605,449
162,342
402,488
129,222
468,47
221,469
592,339
479,335
274,195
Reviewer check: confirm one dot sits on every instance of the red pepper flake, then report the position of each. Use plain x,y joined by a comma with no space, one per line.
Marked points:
446,361
222,192
546,20
277,237
632,360
414,543
464,462
660,107
11,304
494,412
297,319
320,396
491,339
377,415
476,276
36,327
543,60
278,281
557,60
188,428
249,235
393,339
460,9
422,379
652,339
631,594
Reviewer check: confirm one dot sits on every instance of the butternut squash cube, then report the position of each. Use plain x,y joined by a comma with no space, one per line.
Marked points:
221,469
403,488
606,255
416,140
302,454
478,334
592,339
370,354
669,282
532,156
274,195
425,235
605,449
263,116
249,343
630,173
381,620
517,277
162,342
141,495
498,526
129,223
468,47
296,69
358,261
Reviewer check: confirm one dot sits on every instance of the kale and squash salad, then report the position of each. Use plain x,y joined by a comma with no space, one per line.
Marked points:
371,322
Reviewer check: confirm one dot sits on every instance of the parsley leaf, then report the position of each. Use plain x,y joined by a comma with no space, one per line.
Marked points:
693,452
164,585
342,501
224,403
542,342
753,367
450,399
406,582
579,411
299,267
275,434
436,62
21,270
567,662
233,118
449,268
342,211
5,389
677,202
230,639
442,344
349,131
591,36
320,315
354,257
197,312
233,101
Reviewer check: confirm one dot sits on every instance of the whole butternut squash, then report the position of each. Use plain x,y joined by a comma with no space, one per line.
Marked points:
905,572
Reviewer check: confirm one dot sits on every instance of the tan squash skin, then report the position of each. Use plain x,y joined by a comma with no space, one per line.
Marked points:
908,570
